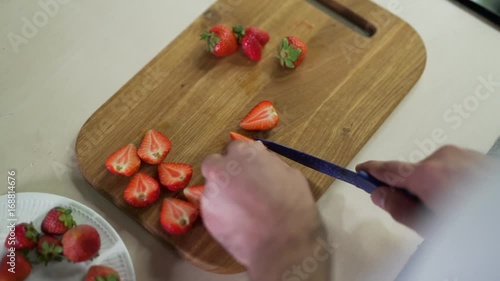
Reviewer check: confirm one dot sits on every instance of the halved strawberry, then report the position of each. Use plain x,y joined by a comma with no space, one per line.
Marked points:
236,136
142,191
177,216
193,194
175,176
154,148
124,161
262,117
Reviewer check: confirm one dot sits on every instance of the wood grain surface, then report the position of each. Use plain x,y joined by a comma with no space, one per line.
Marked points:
329,107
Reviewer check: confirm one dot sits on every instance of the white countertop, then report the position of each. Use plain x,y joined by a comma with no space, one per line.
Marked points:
86,50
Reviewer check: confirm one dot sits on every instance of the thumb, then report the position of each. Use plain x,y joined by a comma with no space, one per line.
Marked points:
402,208
393,173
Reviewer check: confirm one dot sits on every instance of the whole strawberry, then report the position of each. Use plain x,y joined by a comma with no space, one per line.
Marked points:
261,35
102,273
21,265
57,221
221,41
292,52
81,243
24,237
49,248
251,47
252,40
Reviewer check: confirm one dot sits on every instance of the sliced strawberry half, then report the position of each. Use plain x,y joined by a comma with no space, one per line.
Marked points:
177,216
154,148
175,176
262,117
142,191
124,161
193,194
236,136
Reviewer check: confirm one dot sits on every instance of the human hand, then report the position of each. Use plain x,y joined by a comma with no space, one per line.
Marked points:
450,173
260,209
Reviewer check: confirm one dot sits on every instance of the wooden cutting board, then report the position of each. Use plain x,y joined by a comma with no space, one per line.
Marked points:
329,107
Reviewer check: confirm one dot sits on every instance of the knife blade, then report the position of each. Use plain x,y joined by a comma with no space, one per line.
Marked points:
362,180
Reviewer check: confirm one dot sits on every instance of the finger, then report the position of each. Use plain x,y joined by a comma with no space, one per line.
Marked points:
210,164
402,208
393,173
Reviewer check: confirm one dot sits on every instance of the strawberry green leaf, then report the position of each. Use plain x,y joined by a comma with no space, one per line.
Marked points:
239,31
289,64
31,232
66,217
212,40
113,277
285,43
110,277
294,53
58,249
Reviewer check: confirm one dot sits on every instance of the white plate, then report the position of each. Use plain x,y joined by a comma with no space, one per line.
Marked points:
32,207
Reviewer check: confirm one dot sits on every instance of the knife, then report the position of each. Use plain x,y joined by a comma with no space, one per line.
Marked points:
361,180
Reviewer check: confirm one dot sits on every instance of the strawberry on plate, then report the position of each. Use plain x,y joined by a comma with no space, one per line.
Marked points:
292,52
101,273
142,191
15,267
57,221
193,194
24,237
49,248
177,216
154,148
175,176
124,161
221,41
236,136
262,117
81,243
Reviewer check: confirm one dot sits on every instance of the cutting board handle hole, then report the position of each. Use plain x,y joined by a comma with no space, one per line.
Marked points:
345,16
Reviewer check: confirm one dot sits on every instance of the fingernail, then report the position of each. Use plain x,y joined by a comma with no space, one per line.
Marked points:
378,197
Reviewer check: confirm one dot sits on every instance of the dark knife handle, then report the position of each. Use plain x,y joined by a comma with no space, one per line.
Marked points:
378,183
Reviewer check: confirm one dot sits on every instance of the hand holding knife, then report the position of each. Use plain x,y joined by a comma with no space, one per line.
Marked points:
361,180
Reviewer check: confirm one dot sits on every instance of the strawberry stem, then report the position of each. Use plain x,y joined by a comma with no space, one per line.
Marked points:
212,40
239,31
288,54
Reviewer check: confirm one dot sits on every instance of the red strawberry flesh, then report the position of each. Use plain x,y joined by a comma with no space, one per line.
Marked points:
124,161
142,191
154,148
